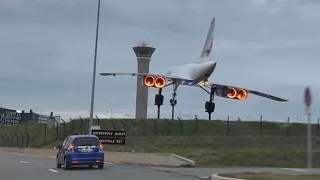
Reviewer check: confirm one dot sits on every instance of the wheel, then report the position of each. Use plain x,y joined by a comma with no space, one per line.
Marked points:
100,166
58,165
66,166
90,166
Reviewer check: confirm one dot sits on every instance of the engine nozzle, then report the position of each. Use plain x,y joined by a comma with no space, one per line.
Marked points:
149,81
152,81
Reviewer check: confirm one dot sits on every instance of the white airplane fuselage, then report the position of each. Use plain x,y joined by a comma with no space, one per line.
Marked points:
196,71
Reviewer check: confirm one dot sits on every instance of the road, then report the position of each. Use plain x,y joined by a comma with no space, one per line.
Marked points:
207,172
29,167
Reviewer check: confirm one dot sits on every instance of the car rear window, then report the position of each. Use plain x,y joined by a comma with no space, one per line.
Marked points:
86,141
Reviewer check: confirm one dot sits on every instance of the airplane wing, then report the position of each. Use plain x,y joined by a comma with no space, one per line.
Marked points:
189,82
248,90
169,78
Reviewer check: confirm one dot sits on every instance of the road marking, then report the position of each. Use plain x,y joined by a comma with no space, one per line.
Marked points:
106,162
292,169
52,170
23,162
34,155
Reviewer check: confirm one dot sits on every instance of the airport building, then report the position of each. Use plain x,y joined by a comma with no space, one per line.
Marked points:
10,117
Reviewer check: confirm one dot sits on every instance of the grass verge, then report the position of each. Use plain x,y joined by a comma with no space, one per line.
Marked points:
210,143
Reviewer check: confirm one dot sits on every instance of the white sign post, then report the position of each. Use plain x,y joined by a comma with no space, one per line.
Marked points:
307,101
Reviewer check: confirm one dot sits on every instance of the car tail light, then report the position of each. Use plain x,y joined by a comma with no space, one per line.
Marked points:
70,148
101,147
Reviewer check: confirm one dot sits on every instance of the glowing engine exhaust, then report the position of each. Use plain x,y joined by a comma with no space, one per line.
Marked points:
232,93
242,94
151,81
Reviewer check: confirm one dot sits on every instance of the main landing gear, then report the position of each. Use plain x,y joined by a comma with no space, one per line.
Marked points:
210,105
159,99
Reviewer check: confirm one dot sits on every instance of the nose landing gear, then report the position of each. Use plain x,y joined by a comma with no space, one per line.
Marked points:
173,101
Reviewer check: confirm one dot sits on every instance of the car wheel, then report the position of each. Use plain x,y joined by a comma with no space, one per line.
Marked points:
66,166
90,166
57,163
100,166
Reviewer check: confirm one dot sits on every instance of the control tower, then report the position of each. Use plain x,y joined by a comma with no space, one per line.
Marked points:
143,53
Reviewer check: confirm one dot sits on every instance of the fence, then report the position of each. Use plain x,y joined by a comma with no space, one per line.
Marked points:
165,127
16,140
38,134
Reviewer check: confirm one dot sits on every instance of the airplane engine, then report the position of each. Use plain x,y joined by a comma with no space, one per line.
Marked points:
154,81
232,93
242,94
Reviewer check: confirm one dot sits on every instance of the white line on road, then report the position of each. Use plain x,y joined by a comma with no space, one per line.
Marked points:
52,170
23,162
292,169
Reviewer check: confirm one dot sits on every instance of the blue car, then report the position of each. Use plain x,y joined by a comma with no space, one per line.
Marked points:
78,150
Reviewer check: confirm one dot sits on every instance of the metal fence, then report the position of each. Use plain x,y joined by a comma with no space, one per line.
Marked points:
16,140
39,134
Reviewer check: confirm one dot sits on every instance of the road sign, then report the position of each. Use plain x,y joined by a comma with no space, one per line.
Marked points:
307,96
107,136
307,100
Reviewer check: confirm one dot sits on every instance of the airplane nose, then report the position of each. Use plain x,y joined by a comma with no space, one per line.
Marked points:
212,66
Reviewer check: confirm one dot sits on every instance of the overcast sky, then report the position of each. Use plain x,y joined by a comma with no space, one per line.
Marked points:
47,48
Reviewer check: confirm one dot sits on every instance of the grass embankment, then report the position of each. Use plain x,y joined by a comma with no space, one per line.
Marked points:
249,176
242,145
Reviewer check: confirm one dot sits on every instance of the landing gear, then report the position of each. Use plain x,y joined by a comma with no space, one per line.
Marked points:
173,101
210,105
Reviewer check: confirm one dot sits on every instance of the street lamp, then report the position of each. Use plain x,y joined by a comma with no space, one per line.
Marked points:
94,70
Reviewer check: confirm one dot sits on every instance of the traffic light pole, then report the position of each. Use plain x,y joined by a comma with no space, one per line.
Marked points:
210,105
158,100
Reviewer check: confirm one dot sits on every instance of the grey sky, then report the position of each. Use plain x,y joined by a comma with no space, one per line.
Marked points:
47,46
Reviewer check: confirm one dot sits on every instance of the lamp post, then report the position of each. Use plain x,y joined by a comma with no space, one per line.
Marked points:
94,70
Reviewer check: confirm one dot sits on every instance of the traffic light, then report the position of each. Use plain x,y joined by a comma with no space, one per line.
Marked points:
210,106
158,100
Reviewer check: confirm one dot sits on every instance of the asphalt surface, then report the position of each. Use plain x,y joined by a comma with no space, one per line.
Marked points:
29,167
207,172
25,167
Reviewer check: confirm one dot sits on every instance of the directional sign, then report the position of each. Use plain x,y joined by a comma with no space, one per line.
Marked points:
107,136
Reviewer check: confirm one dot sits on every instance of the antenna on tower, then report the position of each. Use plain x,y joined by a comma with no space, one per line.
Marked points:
142,43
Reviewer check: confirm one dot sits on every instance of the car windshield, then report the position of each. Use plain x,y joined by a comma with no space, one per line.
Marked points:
86,141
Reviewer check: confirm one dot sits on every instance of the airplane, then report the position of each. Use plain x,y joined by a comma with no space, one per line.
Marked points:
196,74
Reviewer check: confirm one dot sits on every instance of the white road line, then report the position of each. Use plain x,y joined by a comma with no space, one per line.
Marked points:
106,162
205,177
52,170
34,155
23,162
292,169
